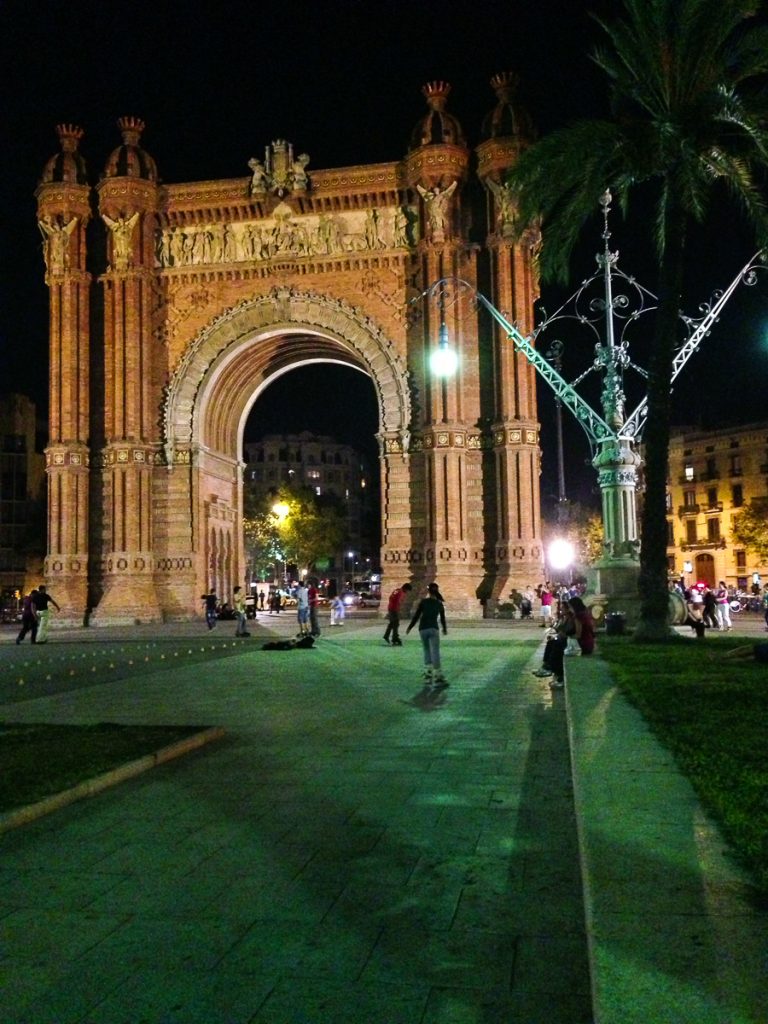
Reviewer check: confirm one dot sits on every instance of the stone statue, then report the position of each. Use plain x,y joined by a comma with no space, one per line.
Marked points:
505,207
259,176
122,230
300,178
400,229
56,248
437,201
372,239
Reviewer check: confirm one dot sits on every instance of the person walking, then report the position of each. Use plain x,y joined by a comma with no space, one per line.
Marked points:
210,608
44,600
238,603
29,619
394,607
302,608
337,611
430,616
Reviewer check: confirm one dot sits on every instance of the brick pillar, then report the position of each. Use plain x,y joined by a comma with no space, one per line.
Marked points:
518,548
127,205
63,211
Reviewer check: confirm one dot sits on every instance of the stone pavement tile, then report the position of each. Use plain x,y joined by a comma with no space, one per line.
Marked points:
469,1006
165,943
437,841
268,948
65,890
32,934
459,958
320,1001
433,907
252,901
160,896
495,873
182,997
68,991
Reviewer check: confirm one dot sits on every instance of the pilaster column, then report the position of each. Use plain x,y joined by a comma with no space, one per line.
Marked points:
63,210
514,288
131,441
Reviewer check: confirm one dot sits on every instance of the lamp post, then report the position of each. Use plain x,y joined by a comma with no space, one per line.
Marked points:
555,355
607,303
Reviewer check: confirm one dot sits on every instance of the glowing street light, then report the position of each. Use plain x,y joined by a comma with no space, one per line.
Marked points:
281,511
561,555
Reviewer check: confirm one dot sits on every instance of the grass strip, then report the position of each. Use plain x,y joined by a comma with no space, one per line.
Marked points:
710,711
38,761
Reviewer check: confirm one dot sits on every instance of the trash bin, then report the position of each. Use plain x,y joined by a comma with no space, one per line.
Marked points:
615,623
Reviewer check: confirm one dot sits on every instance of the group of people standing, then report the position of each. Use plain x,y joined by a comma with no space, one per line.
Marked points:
36,615
708,607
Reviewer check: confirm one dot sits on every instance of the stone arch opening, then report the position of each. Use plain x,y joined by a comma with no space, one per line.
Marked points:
217,381
214,387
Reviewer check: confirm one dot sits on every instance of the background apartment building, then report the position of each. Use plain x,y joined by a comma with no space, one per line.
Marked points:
22,500
712,475
329,469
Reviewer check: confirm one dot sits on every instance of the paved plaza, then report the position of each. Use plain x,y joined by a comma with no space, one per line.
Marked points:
354,850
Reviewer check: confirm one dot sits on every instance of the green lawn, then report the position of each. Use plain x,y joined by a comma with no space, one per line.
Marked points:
711,712
37,761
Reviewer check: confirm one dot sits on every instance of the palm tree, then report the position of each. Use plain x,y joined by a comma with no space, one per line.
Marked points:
688,116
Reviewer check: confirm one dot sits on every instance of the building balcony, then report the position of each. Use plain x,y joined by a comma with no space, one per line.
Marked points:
702,545
704,477
688,478
715,506
688,510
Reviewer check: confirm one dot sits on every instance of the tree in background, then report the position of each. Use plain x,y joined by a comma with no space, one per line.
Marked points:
307,530
686,82
750,528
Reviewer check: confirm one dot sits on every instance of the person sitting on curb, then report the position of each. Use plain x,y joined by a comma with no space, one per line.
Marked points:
575,621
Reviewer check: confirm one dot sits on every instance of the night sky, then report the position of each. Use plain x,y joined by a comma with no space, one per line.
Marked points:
216,82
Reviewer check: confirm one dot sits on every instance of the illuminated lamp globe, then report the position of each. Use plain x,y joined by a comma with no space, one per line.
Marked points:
561,554
281,510
444,361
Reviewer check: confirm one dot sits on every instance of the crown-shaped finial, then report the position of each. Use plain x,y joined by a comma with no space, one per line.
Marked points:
436,94
69,136
131,127
504,84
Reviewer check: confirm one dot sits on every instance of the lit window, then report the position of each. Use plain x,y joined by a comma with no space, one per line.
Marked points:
318,491
689,472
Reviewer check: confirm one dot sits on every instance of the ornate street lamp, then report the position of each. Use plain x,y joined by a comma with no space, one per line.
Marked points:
607,304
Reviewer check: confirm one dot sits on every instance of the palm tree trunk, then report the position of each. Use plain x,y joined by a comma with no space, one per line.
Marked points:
653,579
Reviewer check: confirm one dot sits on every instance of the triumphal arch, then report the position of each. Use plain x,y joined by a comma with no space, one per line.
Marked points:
173,305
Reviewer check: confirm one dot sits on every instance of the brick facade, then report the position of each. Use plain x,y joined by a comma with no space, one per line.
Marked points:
209,289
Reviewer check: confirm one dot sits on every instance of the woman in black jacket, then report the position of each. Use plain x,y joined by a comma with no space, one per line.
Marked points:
429,613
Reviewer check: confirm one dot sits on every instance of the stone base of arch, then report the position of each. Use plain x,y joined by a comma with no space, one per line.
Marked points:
128,597
69,589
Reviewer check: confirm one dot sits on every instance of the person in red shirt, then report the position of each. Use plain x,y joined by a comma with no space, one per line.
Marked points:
394,607
313,595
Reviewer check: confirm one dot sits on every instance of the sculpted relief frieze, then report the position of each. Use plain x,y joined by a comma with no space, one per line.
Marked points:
286,234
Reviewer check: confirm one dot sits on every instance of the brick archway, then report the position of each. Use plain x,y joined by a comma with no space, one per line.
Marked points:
213,388
209,289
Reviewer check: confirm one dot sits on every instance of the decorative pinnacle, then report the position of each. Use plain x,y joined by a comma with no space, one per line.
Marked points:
131,127
504,84
69,136
436,94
